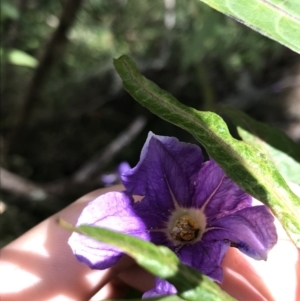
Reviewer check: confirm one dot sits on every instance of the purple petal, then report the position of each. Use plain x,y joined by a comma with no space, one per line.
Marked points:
162,288
109,179
123,167
217,193
205,257
151,212
160,238
251,230
112,211
166,172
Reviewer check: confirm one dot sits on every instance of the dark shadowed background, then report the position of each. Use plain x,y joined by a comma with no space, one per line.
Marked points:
67,125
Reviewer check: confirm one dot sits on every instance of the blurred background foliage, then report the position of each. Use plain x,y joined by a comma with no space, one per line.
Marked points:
79,107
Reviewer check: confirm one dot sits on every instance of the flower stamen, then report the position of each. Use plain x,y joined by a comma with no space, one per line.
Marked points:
185,229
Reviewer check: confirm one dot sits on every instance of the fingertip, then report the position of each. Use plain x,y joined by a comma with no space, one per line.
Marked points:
138,278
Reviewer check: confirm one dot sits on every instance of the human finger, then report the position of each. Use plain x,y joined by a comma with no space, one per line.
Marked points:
276,279
40,265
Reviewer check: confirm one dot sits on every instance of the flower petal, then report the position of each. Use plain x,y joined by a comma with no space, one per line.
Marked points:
251,230
153,216
205,257
162,288
165,173
112,211
217,194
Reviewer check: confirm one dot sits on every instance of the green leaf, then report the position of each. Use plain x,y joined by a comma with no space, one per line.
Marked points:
159,261
278,147
18,57
247,166
277,19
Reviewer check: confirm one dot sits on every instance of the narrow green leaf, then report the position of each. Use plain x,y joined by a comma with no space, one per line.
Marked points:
277,19
277,146
246,165
160,261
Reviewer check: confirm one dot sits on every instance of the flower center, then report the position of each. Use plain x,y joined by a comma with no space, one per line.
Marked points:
185,229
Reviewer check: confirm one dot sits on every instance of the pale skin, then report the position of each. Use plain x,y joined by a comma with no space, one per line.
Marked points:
39,265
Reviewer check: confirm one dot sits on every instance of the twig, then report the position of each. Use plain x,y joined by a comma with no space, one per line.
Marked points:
99,161
81,182
20,186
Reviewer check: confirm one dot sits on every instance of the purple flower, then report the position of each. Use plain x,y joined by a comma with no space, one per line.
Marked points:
187,204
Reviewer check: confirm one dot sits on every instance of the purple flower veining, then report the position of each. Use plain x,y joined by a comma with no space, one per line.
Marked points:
188,205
